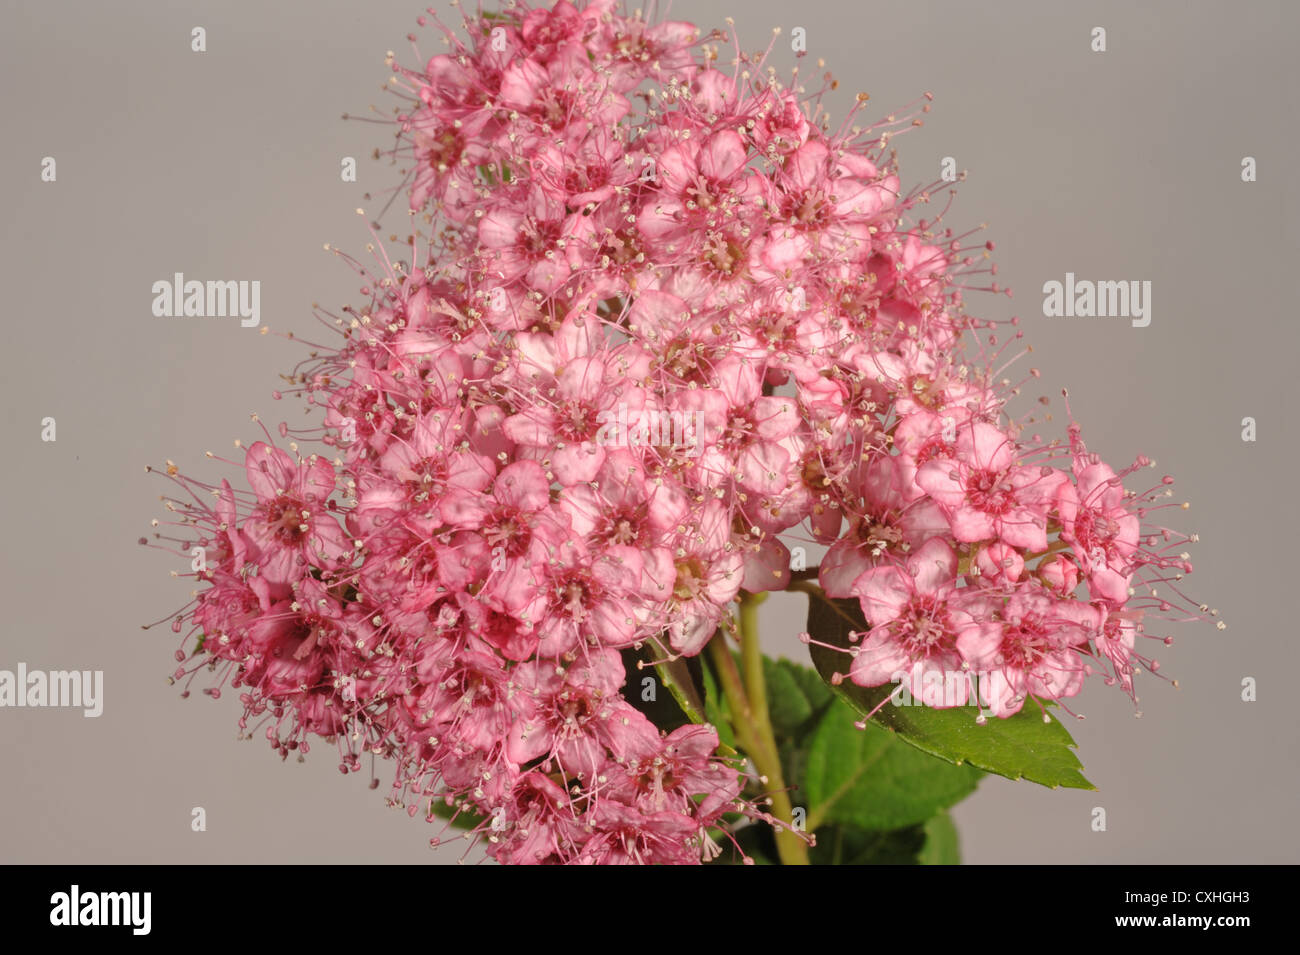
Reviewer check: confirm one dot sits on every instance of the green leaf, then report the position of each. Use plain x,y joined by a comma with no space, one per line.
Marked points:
810,683
664,710
1025,746
848,845
787,705
715,706
871,779
794,763
800,704
796,700
461,814
942,845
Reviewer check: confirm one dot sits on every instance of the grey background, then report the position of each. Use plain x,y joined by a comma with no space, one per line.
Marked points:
1122,165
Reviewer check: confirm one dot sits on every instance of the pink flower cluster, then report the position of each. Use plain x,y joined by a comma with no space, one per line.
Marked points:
990,575
612,234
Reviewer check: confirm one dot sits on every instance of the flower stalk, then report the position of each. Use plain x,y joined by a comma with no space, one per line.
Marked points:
752,721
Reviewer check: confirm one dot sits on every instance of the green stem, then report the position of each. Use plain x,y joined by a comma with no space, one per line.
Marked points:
751,660
753,724
674,675
817,815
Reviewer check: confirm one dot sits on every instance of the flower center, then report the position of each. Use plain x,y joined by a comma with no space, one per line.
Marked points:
988,491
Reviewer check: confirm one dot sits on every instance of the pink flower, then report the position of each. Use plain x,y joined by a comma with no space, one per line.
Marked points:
1103,533
916,617
573,714
781,126
678,772
1117,645
540,824
986,495
1000,563
885,521
412,475
707,576
525,241
587,597
292,528
1060,573
746,436
701,185
1031,649
656,330
586,396
520,527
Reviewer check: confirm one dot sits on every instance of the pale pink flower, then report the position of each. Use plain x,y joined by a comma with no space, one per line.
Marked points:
1031,649
986,495
1101,530
916,617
